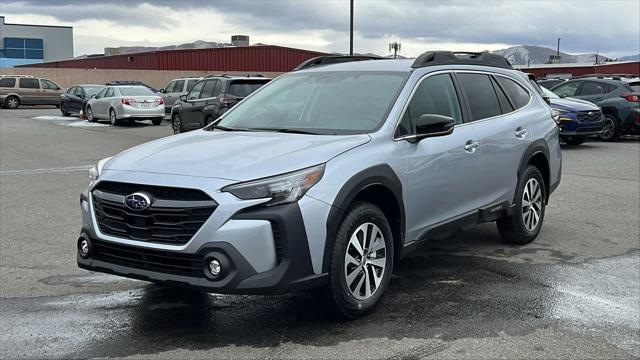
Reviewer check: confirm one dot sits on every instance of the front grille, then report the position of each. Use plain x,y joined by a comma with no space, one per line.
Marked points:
589,116
148,259
175,214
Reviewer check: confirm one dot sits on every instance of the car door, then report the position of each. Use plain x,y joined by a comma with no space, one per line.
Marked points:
211,96
95,102
50,92
191,108
505,126
442,172
71,100
30,92
595,91
176,91
105,103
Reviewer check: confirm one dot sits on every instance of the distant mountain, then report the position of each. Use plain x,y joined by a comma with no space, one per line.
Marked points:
527,54
630,58
200,44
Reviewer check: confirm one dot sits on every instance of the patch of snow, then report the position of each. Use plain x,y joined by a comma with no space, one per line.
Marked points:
55,118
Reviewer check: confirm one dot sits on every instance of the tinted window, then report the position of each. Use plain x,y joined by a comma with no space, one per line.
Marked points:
195,92
72,90
243,88
46,84
169,87
434,95
322,102
515,92
178,86
207,89
217,89
27,83
567,89
7,82
480,95
190,84
135,91
595,88
505,105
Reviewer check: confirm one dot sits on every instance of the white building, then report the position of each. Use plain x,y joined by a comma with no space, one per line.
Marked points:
31,44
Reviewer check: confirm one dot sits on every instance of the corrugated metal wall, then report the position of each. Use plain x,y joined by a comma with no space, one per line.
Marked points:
613,68
250,58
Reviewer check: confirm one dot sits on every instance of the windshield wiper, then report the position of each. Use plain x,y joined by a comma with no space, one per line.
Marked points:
285,130
224,128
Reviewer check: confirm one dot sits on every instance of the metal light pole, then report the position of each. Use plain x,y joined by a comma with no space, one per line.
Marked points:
351,31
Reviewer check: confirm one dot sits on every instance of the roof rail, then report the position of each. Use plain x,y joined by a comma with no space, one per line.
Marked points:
333,59
433,58
603,76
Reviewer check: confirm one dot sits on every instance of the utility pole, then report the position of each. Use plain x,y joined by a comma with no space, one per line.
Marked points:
597,56
351,31
395,46
558,51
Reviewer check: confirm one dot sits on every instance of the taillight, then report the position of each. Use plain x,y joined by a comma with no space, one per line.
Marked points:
227,100
127,101
159,101
631,97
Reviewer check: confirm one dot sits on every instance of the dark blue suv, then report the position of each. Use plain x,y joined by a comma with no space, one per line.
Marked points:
617,95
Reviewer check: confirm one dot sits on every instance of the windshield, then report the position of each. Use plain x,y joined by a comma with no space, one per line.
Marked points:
242,88
319,103
92,90
135,90
549,93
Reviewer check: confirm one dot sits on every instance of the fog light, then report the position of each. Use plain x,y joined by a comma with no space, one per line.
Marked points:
214,267
84,247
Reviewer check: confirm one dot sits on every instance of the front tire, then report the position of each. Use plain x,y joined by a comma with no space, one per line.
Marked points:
176,124
63,110
361,261
611,131
89,114
523,226
11,102
113,119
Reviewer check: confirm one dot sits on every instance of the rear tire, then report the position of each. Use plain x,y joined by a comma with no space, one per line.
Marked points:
361,261
88,113
11,102
176,124
611,130
523,226
113,119
575,140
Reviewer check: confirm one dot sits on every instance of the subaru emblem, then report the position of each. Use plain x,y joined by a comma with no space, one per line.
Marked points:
137,201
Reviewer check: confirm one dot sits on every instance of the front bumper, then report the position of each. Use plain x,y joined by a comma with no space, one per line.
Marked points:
264,250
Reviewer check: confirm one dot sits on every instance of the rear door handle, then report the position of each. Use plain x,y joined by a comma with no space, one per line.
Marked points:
521,132
471,146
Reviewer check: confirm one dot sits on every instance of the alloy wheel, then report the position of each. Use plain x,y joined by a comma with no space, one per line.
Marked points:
609,128
365,261
112,117
89,113
12,103
176,124
531,204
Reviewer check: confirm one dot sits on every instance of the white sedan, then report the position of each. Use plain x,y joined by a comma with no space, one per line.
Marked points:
125,103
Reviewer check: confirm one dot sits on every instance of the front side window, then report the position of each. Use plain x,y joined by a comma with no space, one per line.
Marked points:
195,92
27,83
320,103
518,96
101,93
7,82
567,89
191,83
72,90
177,86
49,85
109,93
170,86
480,95
90,90
435,95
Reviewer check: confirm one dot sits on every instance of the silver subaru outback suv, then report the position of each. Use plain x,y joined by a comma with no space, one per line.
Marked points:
327,177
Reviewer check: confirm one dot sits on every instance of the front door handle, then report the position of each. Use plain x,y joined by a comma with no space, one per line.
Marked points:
521,132
471,146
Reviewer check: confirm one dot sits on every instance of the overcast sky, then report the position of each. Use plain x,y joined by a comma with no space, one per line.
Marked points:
586,26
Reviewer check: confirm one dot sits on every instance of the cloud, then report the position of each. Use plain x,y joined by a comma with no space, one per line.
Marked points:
584,26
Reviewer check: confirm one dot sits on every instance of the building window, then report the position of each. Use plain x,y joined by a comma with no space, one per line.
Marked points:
20,48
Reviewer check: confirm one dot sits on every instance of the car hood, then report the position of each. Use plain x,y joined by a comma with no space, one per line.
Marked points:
573,104
237,156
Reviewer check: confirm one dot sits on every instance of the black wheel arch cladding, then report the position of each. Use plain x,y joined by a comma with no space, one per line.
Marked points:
537,154
379,175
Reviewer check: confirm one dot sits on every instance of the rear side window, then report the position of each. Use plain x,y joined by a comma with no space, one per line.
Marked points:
635,86
243,88
190,84
596,88
26,83
178,86
518,96
505,105
435,95
207,89
7,82
480,95
567,89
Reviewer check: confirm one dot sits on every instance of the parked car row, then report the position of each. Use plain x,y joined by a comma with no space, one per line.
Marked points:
19,90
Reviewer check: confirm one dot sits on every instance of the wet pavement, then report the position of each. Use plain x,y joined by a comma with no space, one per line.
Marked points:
574,293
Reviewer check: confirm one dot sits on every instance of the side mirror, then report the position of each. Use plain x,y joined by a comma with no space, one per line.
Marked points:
563,96
432,125
162,91
183,97
546,99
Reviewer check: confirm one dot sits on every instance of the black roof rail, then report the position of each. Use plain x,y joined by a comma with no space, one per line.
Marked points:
333,59
433,58
604,76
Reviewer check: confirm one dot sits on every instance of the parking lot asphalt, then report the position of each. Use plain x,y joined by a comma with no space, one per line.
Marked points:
573,293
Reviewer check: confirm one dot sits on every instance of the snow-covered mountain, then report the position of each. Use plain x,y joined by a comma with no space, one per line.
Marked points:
528,54
630,58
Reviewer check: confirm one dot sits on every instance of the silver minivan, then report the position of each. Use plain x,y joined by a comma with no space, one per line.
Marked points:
327,177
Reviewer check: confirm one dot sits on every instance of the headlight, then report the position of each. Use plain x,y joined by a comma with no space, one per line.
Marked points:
559,115
282,189
94,172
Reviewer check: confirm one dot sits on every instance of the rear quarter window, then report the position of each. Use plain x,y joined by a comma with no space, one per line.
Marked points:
7,82
27,83
243,88
518,96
